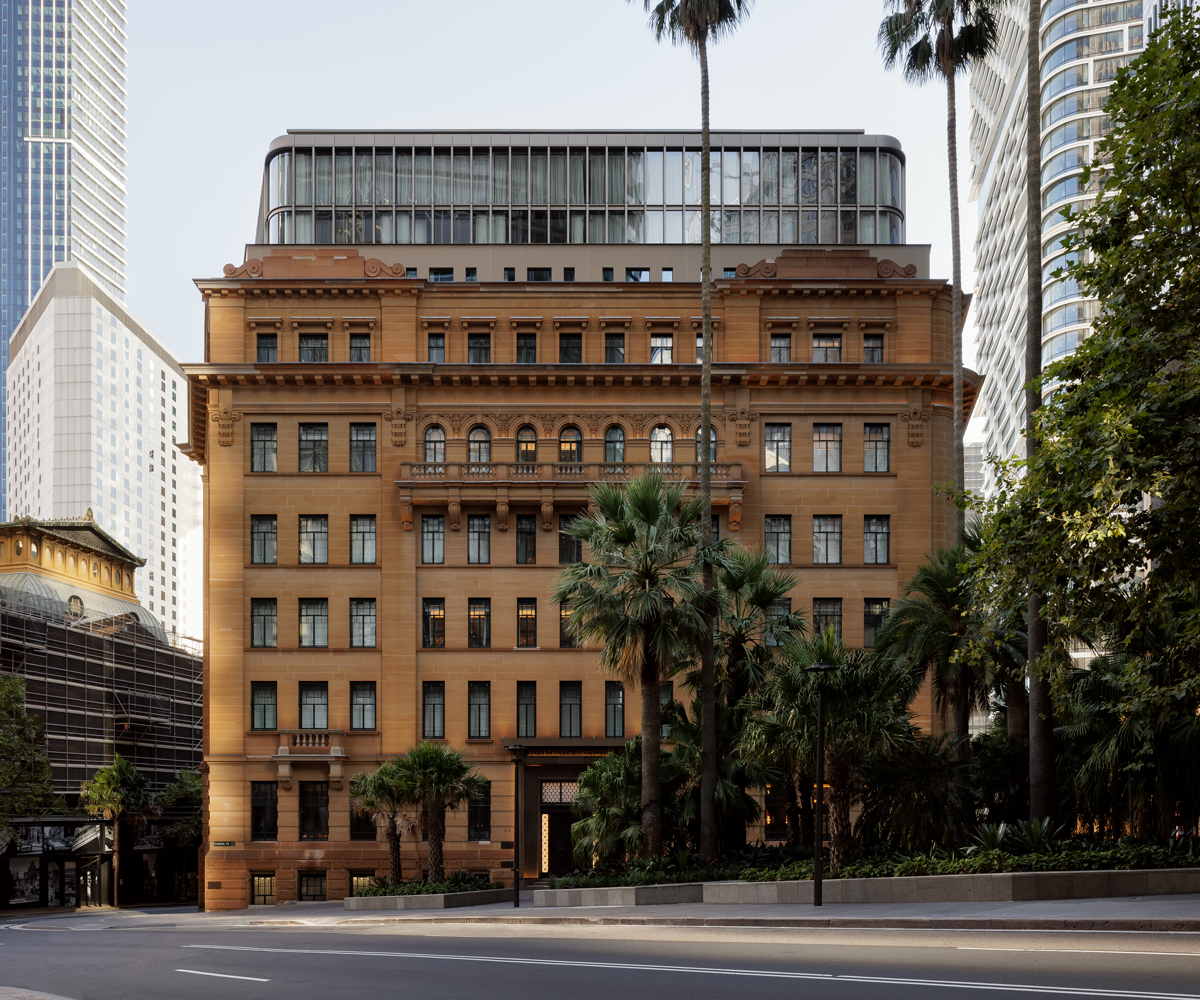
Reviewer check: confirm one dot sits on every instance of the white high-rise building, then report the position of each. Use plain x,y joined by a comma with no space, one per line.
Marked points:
1082,44
94,411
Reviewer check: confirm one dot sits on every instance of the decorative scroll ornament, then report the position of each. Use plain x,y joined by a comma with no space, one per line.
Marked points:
375,268
503,422
890,269
455,420
253,268
735,513
763,269
455,515
547,515
637,423
547,420
406,513
399,422
916,420
224,419
595,421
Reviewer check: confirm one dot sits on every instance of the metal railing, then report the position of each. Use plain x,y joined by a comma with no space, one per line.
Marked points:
562,472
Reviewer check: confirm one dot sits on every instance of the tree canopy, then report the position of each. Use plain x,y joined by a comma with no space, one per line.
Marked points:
26,782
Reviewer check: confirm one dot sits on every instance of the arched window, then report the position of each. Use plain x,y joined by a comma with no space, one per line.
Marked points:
712,444
435,444
479,445
662,445
614,445
570,445
526,444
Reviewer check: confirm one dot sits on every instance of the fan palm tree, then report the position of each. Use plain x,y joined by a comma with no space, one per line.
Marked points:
435,779
694,23
379,792
640,598
118,791
932,39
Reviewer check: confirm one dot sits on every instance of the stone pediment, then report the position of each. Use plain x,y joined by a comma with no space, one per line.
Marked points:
315,262
823,264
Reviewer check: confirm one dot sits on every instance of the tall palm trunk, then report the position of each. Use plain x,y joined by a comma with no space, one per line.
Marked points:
436,830
1042,793
962,719
116,876
1016,703
805,783
791,811
960,517
708,680
396,863
841,789
651,743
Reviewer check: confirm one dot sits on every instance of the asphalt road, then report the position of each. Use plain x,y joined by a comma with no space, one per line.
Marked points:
128,960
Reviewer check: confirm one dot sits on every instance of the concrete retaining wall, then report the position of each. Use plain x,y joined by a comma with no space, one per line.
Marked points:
628,895
997,888
438,901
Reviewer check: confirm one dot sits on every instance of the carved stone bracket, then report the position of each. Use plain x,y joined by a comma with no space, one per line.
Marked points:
253,268
916,420
890,269
406,513
502,512
399,422
375,268
224,419
455,510
547,513
735,512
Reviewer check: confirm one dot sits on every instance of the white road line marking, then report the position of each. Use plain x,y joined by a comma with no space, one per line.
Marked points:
706,970
222,975
1084,951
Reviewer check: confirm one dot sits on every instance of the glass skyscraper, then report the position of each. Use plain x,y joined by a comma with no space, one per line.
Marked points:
62,156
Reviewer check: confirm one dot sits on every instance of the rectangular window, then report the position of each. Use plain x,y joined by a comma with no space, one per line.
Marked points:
433,539
314,540
527,622
614,348
479,710
566,638
479,622
314,814
268,348
262,889
661,350
875,612
311,886
433,622
827,540
441,234
263,540
873,349
527,709
479,348
479,538
262,623
433,705
314,622
570,709
827,447
875,447
539,273
666,695
779,447
362,447
362,827
314,447
779,539
264,810
263,447
570,549
781,347
780,609
875,540
479,815
827,348
526,348
263,705
570,349
314,705
526,539
437,348
362,539
362,622
827,614
614,710
360,348
314,348
362,704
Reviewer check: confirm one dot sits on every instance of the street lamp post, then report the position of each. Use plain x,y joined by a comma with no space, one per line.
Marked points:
820,669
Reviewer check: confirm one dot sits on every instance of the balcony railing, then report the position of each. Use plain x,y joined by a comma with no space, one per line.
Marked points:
562,472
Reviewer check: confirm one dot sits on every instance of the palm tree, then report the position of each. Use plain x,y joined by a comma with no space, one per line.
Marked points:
436,778
379,792
693,23
939,38
119,791
640,598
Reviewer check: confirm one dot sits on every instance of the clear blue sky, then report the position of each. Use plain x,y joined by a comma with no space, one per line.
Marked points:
211,84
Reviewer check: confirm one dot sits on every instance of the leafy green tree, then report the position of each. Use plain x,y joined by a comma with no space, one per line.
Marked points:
381,794
118,792
26,782
932,39
1099,522
693,24
181,802
609,828
435,779
639,596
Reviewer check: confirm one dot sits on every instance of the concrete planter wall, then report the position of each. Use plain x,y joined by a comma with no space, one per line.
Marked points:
439,901
997,888
627,895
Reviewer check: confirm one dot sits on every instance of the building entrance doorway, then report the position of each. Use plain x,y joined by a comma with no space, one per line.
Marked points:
557,856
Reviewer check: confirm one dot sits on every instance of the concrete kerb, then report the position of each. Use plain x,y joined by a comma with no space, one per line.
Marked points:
629,895
430,901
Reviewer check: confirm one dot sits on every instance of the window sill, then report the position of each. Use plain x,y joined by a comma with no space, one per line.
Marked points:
481,739
821,475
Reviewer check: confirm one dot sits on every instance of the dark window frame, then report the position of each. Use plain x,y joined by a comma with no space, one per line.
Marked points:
313,810
264,447
527,622
777,535
369,707
433,623
363,626
614,710
570,549
570,710
479,539
479,710
313,530
266,720
479,816
260,621
363,542
827,537
433,710
314,348
433,539
311,609
264,811
264,540
360,352
527,710
314,712
877,531
313,448
526,539
362,448
827,611
479,622
267,349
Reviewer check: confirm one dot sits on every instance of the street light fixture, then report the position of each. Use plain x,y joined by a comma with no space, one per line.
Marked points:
820,669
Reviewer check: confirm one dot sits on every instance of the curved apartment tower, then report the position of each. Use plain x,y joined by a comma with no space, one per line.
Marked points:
1082,46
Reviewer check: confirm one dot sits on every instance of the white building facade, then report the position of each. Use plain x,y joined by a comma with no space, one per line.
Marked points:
93,416
1083,45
